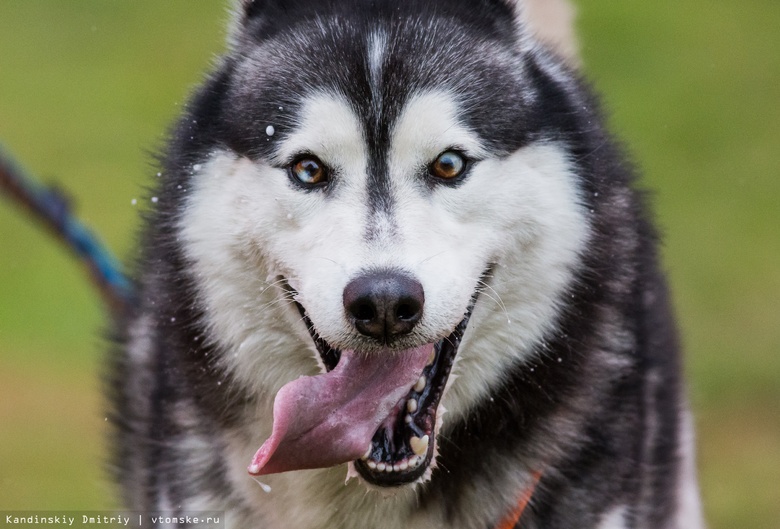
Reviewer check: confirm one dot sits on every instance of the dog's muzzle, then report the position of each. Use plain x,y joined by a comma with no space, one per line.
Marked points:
378,409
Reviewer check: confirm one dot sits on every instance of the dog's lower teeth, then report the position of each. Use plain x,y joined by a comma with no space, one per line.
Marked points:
401,466
420,384
419,446
408,419
411,405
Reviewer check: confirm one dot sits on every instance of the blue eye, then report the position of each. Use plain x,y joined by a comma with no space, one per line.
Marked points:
448,165
309,170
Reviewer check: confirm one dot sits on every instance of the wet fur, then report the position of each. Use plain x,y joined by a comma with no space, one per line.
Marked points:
570,364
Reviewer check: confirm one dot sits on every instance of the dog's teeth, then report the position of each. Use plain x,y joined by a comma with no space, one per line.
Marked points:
401,466
432,357
408,419
411,405
420,384
419,446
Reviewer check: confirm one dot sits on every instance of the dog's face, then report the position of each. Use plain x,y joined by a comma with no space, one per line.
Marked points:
385,204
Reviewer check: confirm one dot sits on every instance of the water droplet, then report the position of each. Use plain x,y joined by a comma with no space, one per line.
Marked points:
270,130
154,200
266,488
133,202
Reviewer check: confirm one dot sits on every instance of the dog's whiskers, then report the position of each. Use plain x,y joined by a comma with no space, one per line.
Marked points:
280,280
432,257
483,287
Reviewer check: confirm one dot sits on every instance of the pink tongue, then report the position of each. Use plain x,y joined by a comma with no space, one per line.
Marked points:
329,419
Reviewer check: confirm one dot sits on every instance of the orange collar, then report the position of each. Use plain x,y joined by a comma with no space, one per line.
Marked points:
512,517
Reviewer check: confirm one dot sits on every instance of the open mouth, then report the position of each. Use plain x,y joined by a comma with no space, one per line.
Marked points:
377,410
402,448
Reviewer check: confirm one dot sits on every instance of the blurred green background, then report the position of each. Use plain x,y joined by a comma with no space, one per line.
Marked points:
88,88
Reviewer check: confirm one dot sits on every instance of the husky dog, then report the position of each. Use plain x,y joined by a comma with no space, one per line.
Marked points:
398,276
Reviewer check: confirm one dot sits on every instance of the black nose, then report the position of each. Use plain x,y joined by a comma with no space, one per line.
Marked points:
384,304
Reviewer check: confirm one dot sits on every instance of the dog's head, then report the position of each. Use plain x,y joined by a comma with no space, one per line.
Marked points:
390,186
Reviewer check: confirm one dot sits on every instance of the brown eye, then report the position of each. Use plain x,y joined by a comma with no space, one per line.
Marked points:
309,170
448,165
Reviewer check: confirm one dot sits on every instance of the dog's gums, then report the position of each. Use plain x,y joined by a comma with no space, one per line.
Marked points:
402,448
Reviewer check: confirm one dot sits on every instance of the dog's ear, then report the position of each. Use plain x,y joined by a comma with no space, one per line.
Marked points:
551,22
246,13
248,9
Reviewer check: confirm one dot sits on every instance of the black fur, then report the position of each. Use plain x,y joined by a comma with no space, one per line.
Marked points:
577,412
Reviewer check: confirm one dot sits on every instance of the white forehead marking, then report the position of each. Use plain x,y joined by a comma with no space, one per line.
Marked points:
377,42
376,47
329,128
428,125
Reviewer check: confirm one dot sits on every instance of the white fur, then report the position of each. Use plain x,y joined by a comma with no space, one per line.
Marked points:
614,519
245,224
521,212
689,512
377,42
166,508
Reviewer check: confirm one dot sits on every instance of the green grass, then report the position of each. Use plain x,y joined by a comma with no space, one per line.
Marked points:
88,88
694,88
